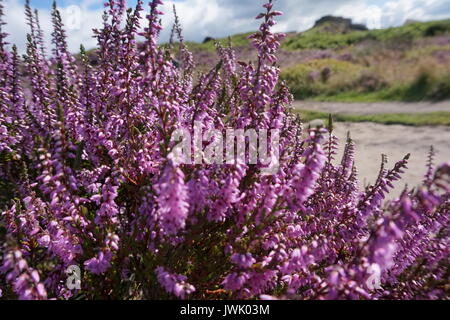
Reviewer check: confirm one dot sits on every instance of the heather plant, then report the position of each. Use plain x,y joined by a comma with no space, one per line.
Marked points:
89,180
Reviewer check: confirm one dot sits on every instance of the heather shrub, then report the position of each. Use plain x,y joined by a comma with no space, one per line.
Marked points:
90,182
382,75
331,77
307,79
429,85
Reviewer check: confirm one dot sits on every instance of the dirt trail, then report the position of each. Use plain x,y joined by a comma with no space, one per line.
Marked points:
372,108
395,141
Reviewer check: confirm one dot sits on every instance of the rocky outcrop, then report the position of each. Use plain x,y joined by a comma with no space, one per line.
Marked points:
208,39
339,24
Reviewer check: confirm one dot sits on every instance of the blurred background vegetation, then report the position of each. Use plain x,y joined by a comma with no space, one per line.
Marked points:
338,61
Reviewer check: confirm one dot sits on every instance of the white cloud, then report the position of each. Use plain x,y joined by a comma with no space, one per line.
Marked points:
396,12
82,33
219,18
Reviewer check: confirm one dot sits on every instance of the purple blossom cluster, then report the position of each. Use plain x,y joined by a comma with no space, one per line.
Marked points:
87,179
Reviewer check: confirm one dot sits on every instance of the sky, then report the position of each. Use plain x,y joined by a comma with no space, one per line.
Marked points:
220,18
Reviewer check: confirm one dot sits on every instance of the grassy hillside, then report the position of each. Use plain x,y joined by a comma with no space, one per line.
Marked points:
321,38
327,36
238,40
331,63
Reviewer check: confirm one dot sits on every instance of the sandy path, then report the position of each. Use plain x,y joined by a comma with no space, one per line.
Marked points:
395,141
372,108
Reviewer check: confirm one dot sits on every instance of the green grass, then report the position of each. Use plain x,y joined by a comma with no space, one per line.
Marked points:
237,40
398,93
307,80
316,38
354,96
417,53
346,85
416,119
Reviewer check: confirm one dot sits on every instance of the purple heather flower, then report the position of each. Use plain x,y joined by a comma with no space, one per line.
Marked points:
172,199
88,179
174,283
99,264
243,260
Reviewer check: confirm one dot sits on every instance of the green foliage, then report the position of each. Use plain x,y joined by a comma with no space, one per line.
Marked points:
324,76
320,38
237,40
425,87
416,119
317,38
428,87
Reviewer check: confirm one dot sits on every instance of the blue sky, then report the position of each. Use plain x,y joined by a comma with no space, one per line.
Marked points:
46,4
219,18
99,4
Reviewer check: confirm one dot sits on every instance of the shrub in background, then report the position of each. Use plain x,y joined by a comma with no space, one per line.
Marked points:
87,180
